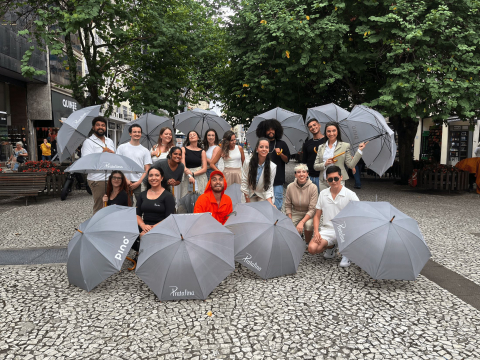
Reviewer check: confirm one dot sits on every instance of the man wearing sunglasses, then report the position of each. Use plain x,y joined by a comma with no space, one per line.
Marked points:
330,202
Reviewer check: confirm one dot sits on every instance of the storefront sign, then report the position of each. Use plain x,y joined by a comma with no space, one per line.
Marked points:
62,107
3,118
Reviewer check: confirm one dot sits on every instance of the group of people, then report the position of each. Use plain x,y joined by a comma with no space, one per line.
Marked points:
209,167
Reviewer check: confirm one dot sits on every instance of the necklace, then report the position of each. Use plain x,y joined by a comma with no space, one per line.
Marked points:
274,145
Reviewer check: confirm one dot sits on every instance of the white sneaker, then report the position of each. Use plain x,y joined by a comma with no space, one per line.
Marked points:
330,253
345,262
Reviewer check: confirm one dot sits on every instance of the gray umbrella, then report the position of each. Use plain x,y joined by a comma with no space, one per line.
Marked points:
185,257
151,125
186,204
266,241
382,240
235,193
75,130
201,120
104,163
100,245
365,124
294,130
325,114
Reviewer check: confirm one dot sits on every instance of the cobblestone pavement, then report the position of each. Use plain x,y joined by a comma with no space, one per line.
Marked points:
322,312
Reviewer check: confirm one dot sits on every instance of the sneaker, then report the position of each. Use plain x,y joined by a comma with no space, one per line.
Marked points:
330,253
345,262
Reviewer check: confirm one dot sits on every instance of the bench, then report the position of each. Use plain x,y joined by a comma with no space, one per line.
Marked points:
22,184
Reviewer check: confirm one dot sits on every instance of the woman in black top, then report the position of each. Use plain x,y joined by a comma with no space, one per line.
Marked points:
155,204
117,190
172,168
195,161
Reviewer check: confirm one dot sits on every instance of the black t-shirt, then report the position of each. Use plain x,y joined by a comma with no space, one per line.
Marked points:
309,154
154,211
120,199
277,160
167,172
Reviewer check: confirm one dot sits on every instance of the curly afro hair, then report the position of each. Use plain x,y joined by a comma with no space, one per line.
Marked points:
265,125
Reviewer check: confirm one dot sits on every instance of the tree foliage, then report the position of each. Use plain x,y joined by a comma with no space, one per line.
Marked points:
144,51
407,58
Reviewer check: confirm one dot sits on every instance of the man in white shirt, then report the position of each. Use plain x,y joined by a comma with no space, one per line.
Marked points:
137,153
330,202
97,143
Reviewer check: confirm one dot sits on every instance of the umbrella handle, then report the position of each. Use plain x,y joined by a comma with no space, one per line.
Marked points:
281,151
104,204
194,187
134,264
338,155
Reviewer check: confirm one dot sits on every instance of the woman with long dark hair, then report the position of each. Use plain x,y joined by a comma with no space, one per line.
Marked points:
117,190
195,161
166,141
210,142
233,159
258,174
155,204
335,152
172,168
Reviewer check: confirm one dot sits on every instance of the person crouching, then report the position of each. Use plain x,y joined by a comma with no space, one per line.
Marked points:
300,200
214,200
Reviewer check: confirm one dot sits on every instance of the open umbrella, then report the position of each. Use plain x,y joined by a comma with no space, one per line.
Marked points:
235,193
327,113
201,120
100,245
151,125
266,241
75,130
365,124
294,130
104,163
382,240
185,257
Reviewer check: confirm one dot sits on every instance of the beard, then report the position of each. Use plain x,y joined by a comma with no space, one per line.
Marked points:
99,132
271,136
217,189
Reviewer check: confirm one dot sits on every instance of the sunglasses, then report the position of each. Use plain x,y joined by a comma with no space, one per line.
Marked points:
116,178
332,179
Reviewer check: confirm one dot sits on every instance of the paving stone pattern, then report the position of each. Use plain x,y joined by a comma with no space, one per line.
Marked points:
322,312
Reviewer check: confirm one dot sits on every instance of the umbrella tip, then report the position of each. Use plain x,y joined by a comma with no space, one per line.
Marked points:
182,237
80,231
275,222
392,218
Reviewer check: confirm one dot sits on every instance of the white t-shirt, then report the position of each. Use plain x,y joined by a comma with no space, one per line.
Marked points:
93,145
477,151
330,208
139,154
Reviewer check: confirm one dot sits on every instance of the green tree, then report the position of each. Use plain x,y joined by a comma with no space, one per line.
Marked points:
408,59
144,51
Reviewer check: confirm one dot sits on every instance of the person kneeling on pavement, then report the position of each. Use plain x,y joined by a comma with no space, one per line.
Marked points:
300,200
330,202
213,200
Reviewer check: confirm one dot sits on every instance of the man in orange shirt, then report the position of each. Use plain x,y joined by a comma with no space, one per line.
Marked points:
213,200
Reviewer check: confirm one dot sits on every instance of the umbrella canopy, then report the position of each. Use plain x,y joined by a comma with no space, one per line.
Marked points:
364,124
185,257
235,193
382,240
294,130
151,125
201,120
104,162
187,203
75,130
266,241
100,245
327,113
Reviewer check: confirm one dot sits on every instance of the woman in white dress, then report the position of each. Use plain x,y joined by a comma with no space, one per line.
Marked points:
165,142
210,143
233,159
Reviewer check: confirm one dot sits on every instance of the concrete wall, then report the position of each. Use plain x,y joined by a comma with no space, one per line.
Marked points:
39,102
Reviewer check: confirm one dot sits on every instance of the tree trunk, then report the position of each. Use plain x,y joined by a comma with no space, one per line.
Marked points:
406,129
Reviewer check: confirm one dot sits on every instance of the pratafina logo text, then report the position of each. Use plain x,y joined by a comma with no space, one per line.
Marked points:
110,166
247,260
340,228
122,249
175,292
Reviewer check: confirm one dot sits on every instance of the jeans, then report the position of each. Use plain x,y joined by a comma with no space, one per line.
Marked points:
356,176
315,181
47,158
278,195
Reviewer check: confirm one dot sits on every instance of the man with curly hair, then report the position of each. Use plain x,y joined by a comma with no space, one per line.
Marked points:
279,154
